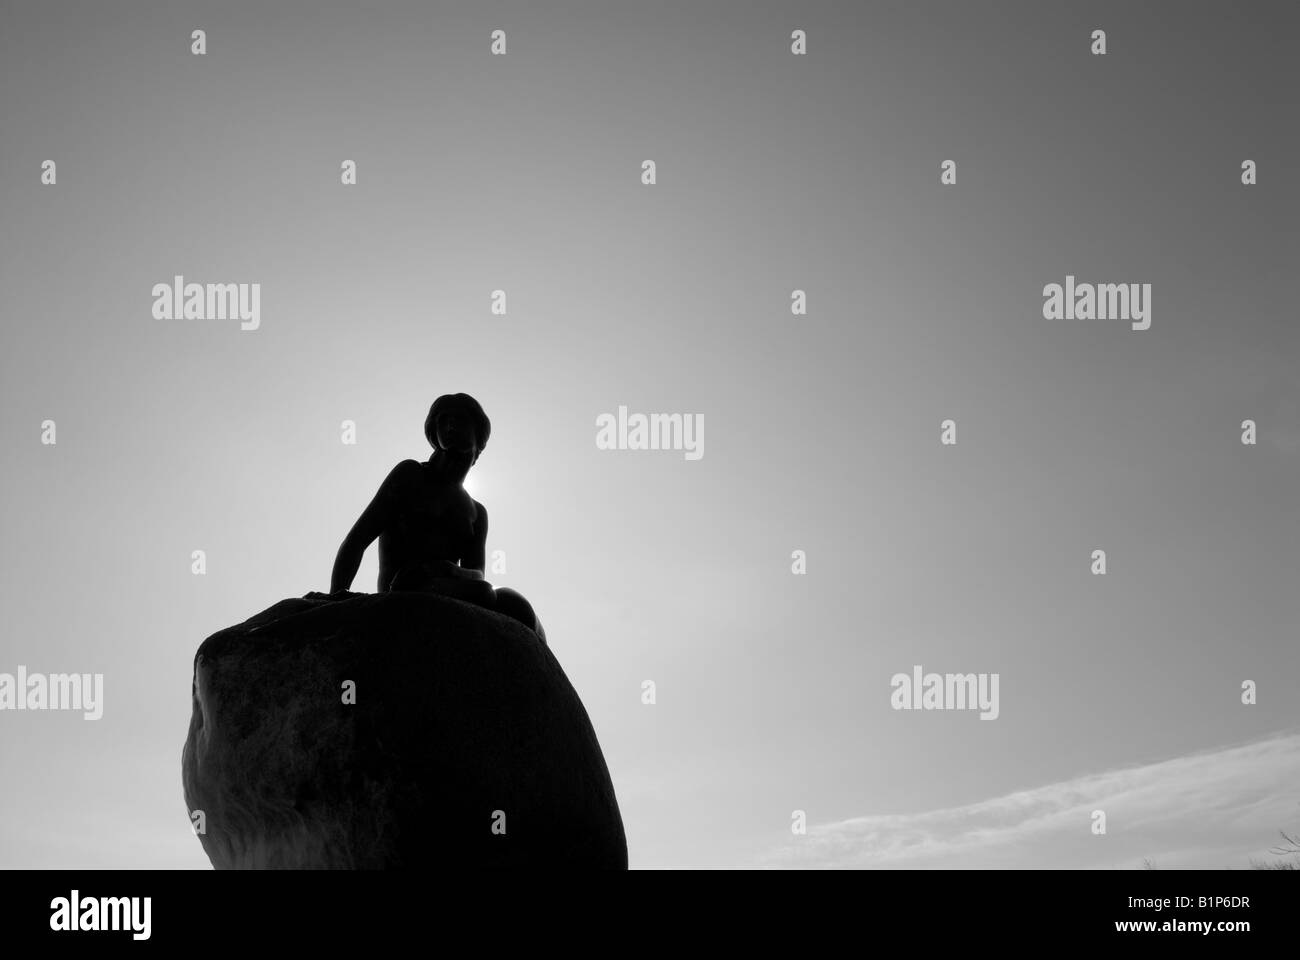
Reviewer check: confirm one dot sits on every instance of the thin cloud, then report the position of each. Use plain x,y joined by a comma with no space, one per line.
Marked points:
1214,809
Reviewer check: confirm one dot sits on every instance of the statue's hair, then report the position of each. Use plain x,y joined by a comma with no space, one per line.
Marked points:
482,425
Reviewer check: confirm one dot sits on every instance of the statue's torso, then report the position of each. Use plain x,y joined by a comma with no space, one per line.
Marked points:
429,521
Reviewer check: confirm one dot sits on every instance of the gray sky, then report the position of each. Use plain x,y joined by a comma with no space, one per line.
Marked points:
775,172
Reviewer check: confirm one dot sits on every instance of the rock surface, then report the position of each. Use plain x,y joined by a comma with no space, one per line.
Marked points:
463,725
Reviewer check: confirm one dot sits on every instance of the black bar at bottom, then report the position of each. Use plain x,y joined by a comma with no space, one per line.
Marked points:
303,909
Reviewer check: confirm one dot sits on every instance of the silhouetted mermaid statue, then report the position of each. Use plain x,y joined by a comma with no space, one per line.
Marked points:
432,534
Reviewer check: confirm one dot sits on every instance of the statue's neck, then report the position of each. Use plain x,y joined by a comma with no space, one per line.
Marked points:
450,467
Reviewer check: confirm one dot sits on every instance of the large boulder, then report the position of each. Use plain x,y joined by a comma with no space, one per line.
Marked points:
466,744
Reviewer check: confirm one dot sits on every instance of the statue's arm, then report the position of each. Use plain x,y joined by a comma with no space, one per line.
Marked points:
475,558
368,527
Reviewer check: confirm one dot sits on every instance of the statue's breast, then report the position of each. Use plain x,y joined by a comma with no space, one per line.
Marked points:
426,514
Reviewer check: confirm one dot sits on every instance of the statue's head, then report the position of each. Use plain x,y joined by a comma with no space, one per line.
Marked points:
456,423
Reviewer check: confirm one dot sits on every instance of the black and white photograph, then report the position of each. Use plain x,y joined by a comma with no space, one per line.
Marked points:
576,439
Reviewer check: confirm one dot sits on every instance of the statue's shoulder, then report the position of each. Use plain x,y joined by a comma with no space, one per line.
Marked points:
401,475
480,514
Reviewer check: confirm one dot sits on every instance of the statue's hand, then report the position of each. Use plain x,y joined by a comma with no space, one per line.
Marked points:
445,568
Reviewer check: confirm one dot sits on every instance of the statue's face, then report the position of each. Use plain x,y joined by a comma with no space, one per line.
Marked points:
455,431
